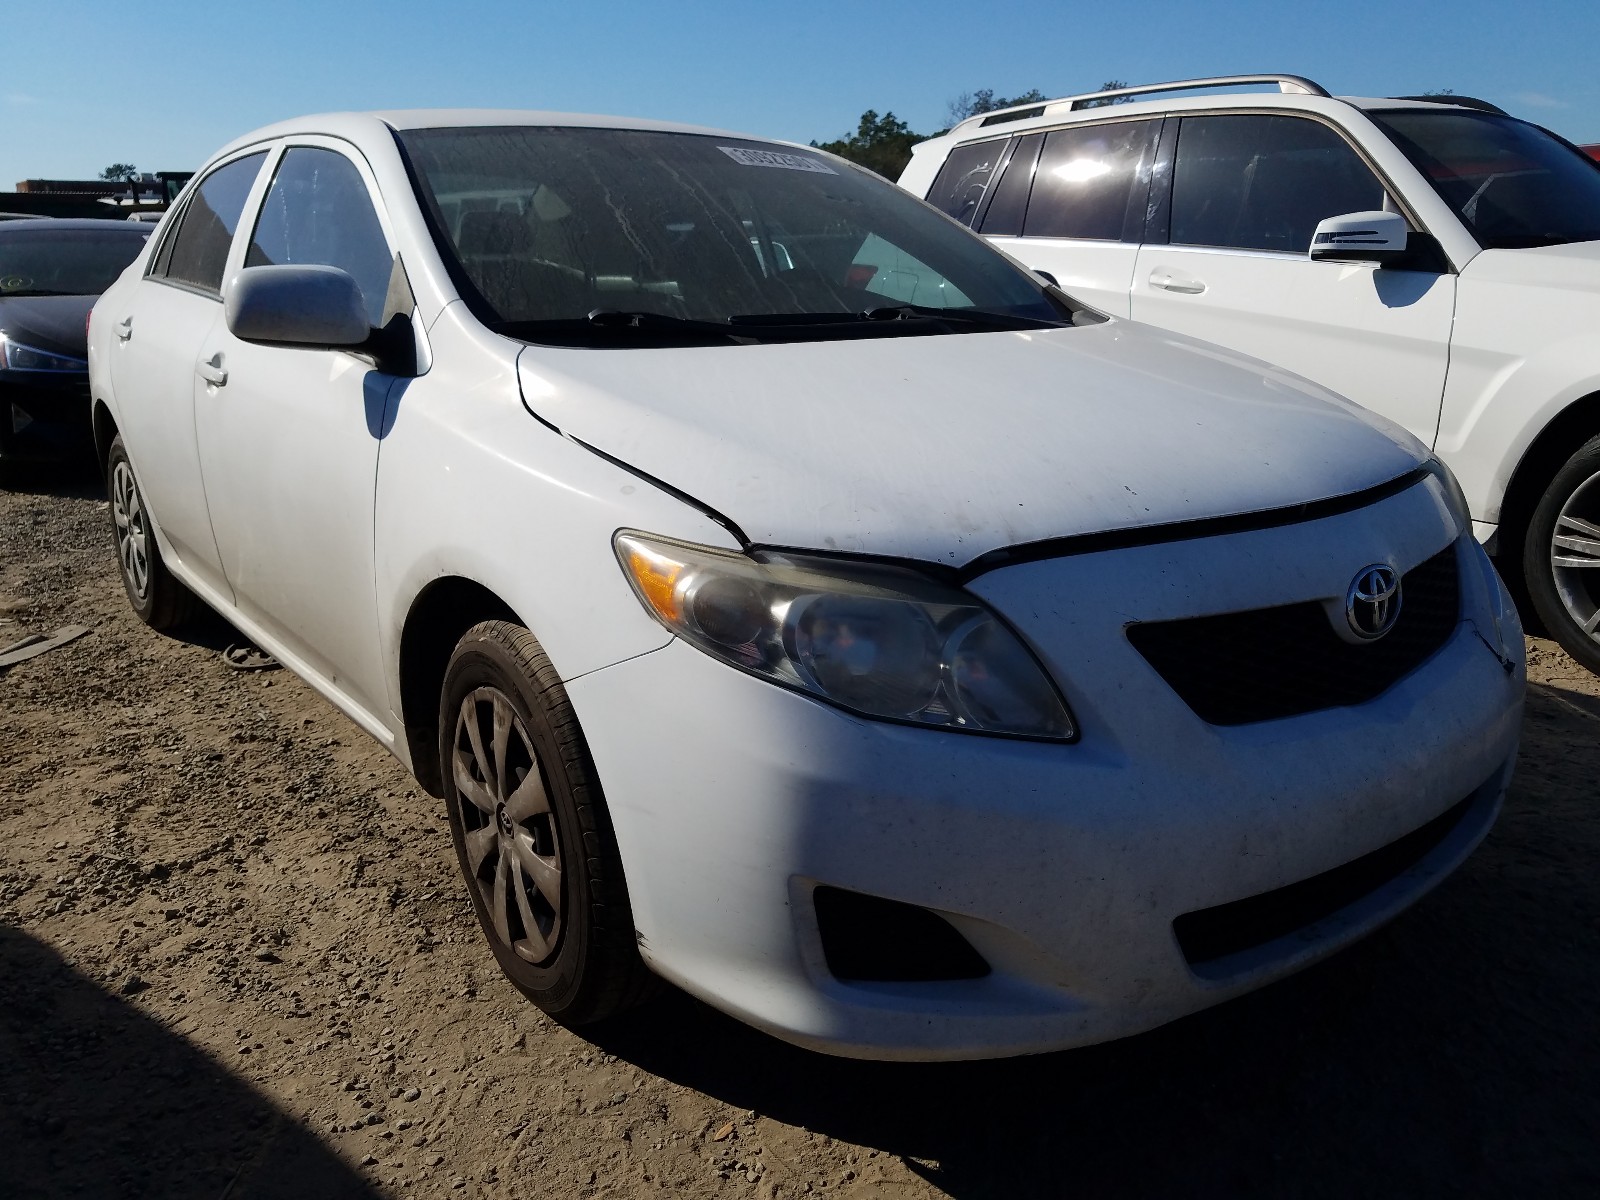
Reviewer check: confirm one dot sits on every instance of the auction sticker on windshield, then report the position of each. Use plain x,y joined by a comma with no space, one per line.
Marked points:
768,158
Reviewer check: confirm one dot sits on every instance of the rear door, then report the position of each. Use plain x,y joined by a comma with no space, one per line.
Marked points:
1227,259
159,326
1072,201
290,437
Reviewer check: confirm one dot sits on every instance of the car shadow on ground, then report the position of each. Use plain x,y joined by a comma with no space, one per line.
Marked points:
1442,1056
99,1100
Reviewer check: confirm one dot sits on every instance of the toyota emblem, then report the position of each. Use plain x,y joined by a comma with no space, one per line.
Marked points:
1372,605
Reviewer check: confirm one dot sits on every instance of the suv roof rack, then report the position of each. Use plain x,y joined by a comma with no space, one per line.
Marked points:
1459,102
1294,84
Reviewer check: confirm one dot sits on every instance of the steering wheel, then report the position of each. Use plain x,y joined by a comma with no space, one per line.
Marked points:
15,283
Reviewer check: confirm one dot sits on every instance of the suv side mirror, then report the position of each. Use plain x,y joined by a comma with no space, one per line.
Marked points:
297,306
1376,237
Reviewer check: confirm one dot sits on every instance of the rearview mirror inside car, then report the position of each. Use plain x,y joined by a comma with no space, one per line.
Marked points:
1378,237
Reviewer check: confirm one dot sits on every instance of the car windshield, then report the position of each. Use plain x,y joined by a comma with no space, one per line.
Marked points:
610,237
65,262
1511,183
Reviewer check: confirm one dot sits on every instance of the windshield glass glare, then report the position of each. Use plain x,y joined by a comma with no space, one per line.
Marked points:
65,262
551,224
1511,183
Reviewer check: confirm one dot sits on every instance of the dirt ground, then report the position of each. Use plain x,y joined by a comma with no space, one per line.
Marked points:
236,962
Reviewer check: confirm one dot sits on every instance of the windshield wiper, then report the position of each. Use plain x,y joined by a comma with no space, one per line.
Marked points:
35,292
957,316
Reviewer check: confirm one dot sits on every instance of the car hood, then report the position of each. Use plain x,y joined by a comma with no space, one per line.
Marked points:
943,448
1573,267
53,323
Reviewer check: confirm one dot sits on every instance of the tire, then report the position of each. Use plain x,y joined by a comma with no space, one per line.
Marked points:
158,599
531,830
1561,556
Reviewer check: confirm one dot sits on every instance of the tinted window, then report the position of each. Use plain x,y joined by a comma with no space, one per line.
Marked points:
65,261
1088,183
200,248
1511,183
958,188
547,225
318,213
1263,183
1004,217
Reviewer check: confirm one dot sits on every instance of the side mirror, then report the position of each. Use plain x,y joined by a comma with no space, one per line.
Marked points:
297,306
1376,237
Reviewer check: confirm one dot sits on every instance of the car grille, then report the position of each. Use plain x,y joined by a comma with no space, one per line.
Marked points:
1238,668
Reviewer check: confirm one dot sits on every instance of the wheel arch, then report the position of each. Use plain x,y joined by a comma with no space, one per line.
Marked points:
105,432
1555,443
440,613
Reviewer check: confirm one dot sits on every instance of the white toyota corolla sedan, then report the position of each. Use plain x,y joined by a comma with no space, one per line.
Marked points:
791,597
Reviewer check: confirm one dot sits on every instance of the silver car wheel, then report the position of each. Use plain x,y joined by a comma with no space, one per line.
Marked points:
513,853
127,511
1575,556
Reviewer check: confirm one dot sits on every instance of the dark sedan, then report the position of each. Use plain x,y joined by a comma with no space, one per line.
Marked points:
51,273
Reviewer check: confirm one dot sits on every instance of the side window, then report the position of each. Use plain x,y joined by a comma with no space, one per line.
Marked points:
1263,182
318,213
197,253
958,188
1004,218
1090,182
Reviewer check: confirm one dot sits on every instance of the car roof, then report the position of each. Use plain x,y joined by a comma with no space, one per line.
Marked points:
358,126
1050,114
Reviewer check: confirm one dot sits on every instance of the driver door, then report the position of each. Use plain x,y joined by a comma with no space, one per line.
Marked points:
290,437
1248,190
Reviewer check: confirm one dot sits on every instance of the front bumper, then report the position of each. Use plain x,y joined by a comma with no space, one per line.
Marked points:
1065,866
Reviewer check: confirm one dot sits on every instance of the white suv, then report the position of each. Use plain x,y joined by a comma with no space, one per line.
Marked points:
909,680
1436,262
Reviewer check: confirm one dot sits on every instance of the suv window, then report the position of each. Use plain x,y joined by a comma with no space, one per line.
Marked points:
1004,216
1085,184
318,213
1264,182
958,188
198,251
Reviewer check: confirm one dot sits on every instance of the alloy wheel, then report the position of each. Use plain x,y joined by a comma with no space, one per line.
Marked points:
1575,556
512,851
133,533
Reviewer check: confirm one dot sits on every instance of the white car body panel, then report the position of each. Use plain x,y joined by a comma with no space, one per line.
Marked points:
1380,336
1523,350
844,446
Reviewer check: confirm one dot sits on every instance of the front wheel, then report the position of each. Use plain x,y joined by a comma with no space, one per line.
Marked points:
531,829
1561,556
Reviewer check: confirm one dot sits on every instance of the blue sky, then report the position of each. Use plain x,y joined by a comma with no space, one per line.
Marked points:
165,82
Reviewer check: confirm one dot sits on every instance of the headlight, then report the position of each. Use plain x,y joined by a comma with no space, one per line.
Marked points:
878,641
1454,497
14,356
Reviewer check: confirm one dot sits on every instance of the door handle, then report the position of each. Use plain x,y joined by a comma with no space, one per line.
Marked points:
124,329
212,371
1169,281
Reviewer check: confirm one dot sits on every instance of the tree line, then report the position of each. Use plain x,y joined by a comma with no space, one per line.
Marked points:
883,143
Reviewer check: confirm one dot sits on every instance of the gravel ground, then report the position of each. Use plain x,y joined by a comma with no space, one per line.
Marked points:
236,961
